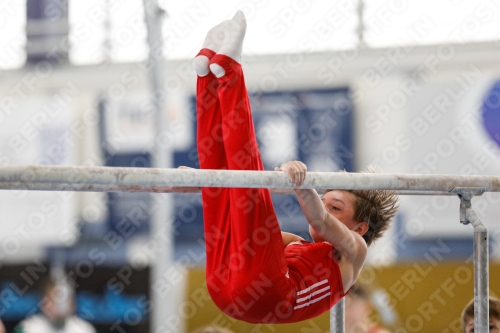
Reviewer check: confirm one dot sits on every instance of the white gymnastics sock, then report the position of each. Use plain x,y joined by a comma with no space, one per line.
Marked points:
213,41
217,70
234,36
215,37
232,45
200,65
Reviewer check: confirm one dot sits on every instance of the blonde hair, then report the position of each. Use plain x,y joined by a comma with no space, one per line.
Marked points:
375,207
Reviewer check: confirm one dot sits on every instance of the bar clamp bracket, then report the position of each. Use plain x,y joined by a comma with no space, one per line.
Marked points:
465,194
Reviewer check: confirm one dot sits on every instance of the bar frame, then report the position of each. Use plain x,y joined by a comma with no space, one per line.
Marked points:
164,180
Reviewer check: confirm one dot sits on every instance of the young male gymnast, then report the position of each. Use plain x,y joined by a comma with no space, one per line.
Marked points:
255,272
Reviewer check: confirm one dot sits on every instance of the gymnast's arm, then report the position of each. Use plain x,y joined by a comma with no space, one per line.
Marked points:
288,238
350,244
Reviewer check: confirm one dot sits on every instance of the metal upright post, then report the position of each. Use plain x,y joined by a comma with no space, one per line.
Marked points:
481,269
163,317
337,324
106,45
360,30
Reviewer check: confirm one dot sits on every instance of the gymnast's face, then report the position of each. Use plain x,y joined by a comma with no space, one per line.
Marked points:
494,325
340,204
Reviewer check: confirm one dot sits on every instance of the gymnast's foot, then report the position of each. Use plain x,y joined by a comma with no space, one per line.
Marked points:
213,42
234,36
232,44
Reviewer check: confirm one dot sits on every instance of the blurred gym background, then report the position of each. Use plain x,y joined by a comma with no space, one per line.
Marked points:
403,85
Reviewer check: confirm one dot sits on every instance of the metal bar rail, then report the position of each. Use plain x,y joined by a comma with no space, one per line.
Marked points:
76,178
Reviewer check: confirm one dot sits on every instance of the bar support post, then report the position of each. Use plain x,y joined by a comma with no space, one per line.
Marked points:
481,268
337,324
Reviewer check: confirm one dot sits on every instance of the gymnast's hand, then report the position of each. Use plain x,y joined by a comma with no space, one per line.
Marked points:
183,189
296,170
185,167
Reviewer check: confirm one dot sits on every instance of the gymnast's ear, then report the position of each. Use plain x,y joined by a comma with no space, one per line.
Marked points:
362,228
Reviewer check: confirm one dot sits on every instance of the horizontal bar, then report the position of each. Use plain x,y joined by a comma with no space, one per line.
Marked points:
86,178
155,189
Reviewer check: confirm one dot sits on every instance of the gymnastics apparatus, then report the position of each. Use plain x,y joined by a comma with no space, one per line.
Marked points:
232,182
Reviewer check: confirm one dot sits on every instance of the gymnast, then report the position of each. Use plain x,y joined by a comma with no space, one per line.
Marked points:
255,272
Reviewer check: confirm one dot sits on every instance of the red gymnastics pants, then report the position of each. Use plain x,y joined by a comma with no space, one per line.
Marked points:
246,266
